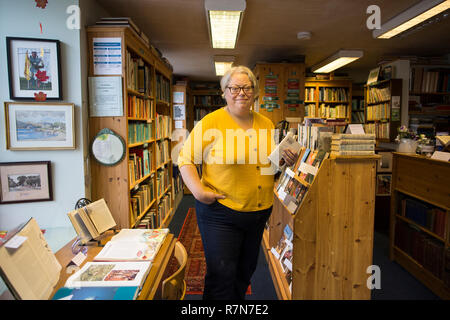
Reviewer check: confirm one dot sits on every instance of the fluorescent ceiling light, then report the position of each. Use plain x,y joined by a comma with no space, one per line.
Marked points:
339,59
222,64
411,17
224,20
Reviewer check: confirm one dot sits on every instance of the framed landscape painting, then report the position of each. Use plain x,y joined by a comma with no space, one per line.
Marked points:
39,126
33,67
25,182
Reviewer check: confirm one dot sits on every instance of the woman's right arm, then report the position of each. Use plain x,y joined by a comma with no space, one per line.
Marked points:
194,184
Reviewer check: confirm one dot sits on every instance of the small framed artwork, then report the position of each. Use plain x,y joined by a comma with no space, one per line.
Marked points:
385,162
39,126
373,75
34,67
25,182
384,185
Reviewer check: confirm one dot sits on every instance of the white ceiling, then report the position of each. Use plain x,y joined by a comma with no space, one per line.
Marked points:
269,32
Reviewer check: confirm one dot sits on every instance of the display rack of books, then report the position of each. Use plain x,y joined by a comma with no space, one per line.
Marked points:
328,99
383,109
420,223
318,241
429,99
131,187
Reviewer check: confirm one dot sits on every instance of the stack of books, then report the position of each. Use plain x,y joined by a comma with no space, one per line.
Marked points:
123,21
352,144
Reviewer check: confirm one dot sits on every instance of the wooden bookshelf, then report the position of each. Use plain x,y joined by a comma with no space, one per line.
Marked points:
143,101
328,98
382,109
204,101
421,249
332,233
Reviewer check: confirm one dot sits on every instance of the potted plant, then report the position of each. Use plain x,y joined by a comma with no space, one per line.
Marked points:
425,145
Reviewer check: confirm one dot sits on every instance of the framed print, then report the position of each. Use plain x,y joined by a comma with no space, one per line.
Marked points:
384,185
385,162
33,67
25,182
373,75
39,126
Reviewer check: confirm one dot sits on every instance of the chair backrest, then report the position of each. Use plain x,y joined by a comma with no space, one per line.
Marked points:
174,287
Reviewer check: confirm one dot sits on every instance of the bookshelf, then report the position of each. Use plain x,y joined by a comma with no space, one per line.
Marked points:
138,190
281,90
429,99
328,99
332,232
383,101
205,101
419,221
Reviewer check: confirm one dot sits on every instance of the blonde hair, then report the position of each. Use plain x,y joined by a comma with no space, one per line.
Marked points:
239,69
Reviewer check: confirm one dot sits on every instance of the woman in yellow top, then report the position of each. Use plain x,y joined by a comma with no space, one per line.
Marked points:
235,194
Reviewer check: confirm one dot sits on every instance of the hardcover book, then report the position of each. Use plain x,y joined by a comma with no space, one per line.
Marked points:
97,293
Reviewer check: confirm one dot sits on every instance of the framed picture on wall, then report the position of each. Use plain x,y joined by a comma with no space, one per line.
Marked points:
25,182
373,75
39,126
384,184
34,67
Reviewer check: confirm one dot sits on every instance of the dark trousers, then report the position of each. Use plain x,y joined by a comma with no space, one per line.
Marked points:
231,241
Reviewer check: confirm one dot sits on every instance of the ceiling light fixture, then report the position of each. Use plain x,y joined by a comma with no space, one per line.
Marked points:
337,60
222,64
411,17
224,20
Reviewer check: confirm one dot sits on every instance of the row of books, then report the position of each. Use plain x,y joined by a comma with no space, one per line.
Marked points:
352,144
429,80
425,215
211,100
201,112
164,207
310,110
162,182
333,94
378,112
426,250
358,117
142,198
310,94
162,88
139,132
283,253
380,129
138,75
139,164
139,107
149,221
162,152
332,111
316,135
177,180
376,95
163,125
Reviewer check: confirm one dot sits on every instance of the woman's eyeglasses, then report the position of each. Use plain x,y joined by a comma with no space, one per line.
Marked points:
237,90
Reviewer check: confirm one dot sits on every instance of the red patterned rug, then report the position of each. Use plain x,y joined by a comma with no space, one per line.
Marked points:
196,265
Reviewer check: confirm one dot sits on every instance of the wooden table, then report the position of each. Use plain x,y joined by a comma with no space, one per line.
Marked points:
152,283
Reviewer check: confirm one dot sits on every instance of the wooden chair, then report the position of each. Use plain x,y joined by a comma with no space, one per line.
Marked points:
174,287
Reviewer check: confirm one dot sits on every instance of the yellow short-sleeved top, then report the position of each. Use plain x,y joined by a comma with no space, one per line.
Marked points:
234,161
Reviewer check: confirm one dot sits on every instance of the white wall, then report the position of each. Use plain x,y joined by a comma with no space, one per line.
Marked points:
21,18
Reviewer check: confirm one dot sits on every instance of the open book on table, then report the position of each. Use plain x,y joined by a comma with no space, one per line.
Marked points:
133,245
